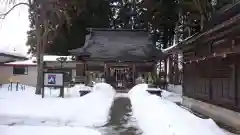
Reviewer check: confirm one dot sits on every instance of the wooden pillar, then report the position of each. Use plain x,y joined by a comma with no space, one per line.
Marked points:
170,69
105,71
84,68
165,70
79,69
85,72
133,73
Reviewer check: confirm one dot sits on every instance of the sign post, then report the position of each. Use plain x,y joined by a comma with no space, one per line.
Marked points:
53,79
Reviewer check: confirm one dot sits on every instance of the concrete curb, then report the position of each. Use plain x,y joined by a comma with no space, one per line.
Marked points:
219,114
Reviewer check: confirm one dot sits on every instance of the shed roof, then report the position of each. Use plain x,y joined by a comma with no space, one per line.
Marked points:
33,61
7,57
124,45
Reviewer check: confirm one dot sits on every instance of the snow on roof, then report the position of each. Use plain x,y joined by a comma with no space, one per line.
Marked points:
31,62
13,54
169,48
54,58
175,45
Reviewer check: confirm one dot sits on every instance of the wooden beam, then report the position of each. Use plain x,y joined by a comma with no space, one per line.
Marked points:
226,33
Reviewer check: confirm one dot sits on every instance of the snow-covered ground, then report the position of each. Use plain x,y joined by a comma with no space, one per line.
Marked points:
175,89
39,130
172,96
156,115
23,113
26,108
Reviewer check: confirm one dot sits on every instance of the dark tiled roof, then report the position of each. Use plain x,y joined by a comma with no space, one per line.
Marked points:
124,45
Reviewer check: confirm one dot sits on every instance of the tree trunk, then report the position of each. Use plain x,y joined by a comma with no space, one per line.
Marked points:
39,67
39,58
39,74
61,94
42,41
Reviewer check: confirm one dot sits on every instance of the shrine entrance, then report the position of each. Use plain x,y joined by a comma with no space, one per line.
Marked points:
121,77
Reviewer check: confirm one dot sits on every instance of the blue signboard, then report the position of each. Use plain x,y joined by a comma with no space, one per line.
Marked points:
51,79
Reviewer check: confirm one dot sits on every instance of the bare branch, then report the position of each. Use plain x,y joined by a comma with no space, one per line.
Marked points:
30,2
3,15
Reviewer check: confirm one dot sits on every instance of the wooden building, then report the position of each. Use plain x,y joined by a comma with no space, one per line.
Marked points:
211,69
118,56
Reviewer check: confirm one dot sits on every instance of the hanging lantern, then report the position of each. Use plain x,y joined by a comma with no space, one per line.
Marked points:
224,55
214,54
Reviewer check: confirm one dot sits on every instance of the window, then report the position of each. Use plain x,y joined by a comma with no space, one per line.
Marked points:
20,70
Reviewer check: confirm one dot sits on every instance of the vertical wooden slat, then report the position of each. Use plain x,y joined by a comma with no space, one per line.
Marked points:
235,88
238,85
84,68
105,70
133,73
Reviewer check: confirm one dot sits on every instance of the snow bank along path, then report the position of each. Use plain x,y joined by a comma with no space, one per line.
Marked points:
156,116
37,130
89,110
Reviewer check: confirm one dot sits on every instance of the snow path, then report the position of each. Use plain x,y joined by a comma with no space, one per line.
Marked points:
121,121
156,115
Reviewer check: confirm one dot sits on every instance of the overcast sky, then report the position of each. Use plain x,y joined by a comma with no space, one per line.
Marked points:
13,29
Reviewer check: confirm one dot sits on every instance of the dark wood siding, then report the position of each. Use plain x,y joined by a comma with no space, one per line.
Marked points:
222,81
238,84
95,68
215,80
212,69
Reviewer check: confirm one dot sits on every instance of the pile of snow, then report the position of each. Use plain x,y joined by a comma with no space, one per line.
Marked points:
89,110
37,130
156,116
74,91
177,98
175,88
97,104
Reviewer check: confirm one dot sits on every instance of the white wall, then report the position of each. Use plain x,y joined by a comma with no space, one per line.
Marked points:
6,72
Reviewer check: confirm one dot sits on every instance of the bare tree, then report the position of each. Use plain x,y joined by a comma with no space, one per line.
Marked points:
205,9
48,17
